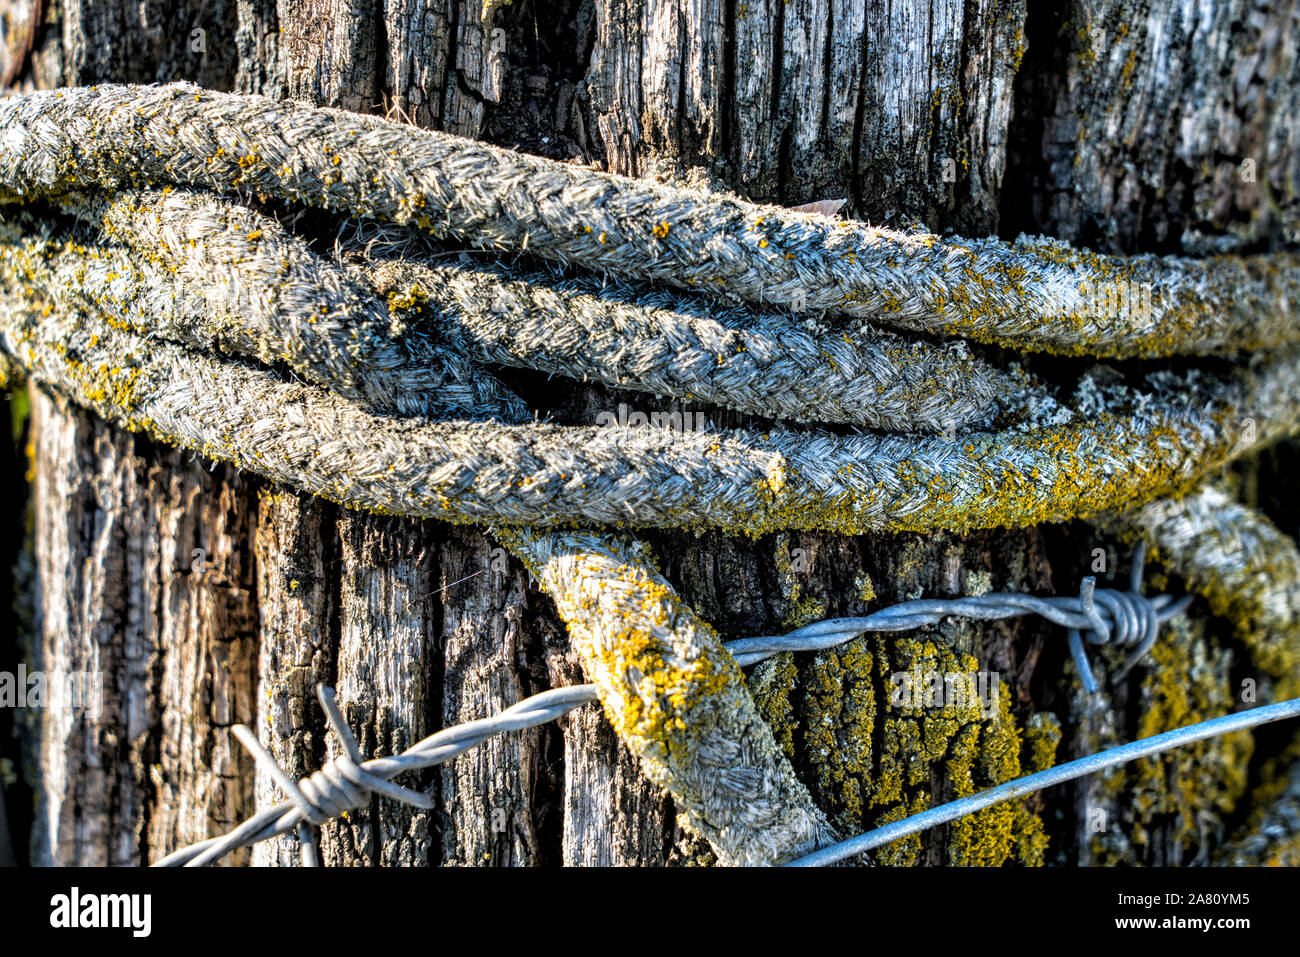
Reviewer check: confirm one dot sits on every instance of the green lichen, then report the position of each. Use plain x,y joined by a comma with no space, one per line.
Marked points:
1171,804
770,685
869,760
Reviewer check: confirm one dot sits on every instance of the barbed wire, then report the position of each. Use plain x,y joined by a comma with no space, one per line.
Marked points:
346,781
89,333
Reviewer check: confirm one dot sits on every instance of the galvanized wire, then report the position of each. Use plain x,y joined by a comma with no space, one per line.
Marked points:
345,782
1030,783
1106,616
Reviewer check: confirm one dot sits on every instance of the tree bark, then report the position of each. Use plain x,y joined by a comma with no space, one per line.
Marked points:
1090,122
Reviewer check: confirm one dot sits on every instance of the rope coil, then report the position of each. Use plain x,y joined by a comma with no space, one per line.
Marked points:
1032,294
137,319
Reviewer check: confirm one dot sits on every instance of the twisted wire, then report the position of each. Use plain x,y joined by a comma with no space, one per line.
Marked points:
1247,569
323,795
1109,758
1032,294
433,750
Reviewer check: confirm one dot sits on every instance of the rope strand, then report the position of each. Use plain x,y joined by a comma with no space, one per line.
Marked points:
1035,294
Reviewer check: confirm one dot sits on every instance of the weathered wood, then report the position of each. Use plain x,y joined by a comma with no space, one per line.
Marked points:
145,582
1165,126
296,557
785,102
793,102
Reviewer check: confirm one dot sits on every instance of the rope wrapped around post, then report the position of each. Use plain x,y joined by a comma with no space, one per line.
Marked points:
189,317
1029,294
738,480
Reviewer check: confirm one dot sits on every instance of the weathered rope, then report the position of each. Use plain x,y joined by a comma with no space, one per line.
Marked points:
652,341
674,696
218,277
740,481
213,274
1033,294
206,273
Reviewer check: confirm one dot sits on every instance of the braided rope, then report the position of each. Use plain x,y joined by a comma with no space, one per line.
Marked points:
241,282
82,317
546,475
675,697
1033,294
206,273
652,341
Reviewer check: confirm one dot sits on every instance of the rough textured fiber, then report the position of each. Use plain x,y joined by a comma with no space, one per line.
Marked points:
547,475
674,694
1273,836
1247,569
764,363
1035,293
209,286
246,285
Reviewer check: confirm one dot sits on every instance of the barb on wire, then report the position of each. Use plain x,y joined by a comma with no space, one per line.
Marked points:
346,781
1106,616
435,749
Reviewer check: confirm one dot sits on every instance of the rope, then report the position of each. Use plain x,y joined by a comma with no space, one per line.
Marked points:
211,274
1033,294
652,341
739,481
215,275
675,697
154,308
